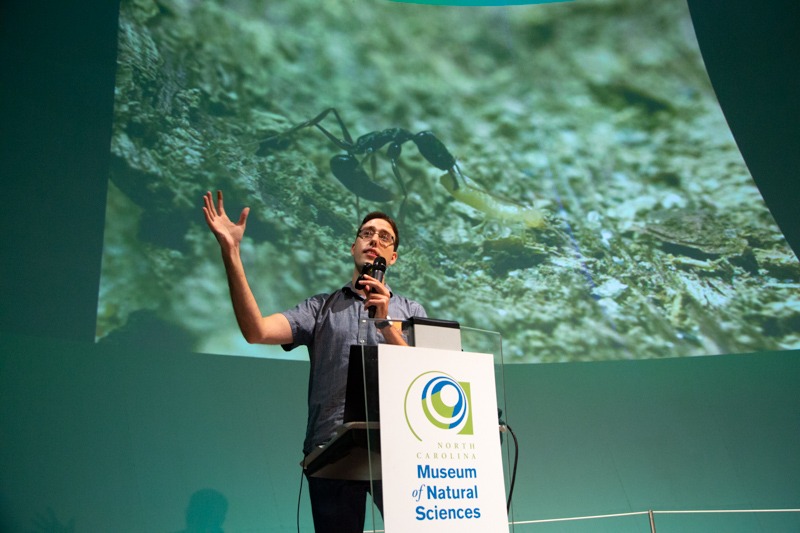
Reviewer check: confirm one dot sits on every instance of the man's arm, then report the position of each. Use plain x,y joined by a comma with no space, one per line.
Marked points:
393,335
256,328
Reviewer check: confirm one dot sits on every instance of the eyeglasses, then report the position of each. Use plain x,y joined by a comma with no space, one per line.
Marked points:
385,238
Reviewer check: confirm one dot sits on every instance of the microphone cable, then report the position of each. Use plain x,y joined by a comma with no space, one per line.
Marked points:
503,428
299,495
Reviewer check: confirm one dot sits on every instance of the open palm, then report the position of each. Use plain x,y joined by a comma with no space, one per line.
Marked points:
226,231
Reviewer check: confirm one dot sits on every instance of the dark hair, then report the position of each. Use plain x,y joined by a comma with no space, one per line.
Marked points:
383,216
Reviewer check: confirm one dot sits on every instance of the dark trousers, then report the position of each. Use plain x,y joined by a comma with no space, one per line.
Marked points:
339,506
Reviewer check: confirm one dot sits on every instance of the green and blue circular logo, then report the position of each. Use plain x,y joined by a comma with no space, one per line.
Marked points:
436,402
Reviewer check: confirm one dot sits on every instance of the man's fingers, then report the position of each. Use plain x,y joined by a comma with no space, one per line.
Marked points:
220,205
243,216
209,205
213,212
374,284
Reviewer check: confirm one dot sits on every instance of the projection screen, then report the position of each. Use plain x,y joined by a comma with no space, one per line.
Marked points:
600,210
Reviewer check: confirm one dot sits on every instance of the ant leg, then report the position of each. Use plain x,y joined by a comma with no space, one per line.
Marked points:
394,151
342,144
346,143
319,118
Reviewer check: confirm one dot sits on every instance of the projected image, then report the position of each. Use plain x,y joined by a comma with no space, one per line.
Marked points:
566,175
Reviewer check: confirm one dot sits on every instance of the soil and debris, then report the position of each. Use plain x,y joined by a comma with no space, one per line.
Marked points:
597,114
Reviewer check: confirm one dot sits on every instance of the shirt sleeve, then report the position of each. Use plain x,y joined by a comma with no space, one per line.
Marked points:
303,319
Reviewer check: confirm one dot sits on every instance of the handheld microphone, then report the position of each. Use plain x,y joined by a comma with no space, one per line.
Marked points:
379,269
378,272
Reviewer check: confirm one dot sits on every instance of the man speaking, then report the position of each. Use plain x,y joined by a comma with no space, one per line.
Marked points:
328,325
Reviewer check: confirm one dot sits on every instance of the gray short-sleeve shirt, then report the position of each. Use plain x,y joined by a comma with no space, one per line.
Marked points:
329,324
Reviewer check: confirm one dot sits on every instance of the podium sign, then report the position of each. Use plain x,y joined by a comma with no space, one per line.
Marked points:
440,444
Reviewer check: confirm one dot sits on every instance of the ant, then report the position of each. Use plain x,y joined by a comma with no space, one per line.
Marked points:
349,169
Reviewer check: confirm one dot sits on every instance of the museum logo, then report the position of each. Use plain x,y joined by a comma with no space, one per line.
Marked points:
435,403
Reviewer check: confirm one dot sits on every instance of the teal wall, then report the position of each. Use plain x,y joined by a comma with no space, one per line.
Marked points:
119,437
677,434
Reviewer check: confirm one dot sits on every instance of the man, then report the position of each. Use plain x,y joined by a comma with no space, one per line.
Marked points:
328,324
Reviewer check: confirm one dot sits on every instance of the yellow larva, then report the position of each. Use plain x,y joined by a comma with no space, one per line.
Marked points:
456,184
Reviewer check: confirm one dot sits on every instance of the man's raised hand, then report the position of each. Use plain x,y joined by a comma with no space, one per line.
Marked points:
227,233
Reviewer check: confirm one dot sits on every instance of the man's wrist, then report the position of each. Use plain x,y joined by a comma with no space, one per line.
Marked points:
230,251
383,323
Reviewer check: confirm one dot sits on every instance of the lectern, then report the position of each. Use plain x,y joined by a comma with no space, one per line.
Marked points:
423,421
